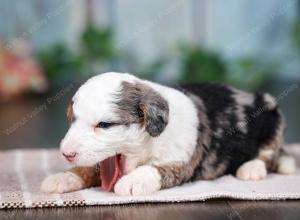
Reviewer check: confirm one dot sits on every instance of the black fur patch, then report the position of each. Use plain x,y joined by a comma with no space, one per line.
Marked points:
229,146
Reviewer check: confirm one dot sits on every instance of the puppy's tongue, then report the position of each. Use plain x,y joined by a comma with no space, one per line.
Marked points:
111,169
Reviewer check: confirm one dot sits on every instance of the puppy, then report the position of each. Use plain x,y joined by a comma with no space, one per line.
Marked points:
136,137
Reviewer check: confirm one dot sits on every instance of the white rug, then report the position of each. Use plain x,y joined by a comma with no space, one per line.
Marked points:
22,171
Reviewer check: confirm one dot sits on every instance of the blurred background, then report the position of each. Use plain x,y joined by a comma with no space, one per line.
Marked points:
48,48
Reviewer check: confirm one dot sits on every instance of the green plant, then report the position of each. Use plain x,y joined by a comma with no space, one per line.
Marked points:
97,43
201,65
204,65
152,70
296,35
249,73
58,61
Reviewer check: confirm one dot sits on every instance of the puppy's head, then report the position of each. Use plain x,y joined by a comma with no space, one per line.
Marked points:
111,114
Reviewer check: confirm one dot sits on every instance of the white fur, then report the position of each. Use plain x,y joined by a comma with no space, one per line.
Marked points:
286,165
244,99
61,183
93,103
143,180
252,170
267,153
270,100
178,141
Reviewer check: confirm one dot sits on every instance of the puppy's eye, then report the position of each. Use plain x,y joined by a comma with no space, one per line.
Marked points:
104,125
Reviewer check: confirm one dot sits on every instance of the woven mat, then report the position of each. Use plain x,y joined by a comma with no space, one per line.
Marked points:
22,171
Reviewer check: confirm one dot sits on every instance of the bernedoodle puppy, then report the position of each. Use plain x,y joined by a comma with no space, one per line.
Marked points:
136,137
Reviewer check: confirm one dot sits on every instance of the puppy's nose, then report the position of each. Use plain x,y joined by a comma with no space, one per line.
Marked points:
70,156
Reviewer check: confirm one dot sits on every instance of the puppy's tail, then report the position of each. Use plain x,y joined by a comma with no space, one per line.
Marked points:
286,163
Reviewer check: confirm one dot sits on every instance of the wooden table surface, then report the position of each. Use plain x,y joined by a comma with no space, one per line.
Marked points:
45,125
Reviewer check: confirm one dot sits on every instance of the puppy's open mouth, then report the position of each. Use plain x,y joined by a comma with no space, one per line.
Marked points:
111,169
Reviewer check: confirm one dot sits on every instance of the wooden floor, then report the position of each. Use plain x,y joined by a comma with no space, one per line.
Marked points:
45,126
230,210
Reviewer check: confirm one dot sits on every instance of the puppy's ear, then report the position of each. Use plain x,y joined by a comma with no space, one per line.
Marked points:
69,112
139,103
155,112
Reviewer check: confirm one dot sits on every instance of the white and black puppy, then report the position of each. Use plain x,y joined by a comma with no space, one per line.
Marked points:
148,137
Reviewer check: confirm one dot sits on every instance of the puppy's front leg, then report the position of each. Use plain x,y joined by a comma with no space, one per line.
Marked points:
74,179
147,179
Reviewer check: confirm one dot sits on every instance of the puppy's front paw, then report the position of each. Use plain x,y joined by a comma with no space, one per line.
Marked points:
252,170
62,183
142,181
